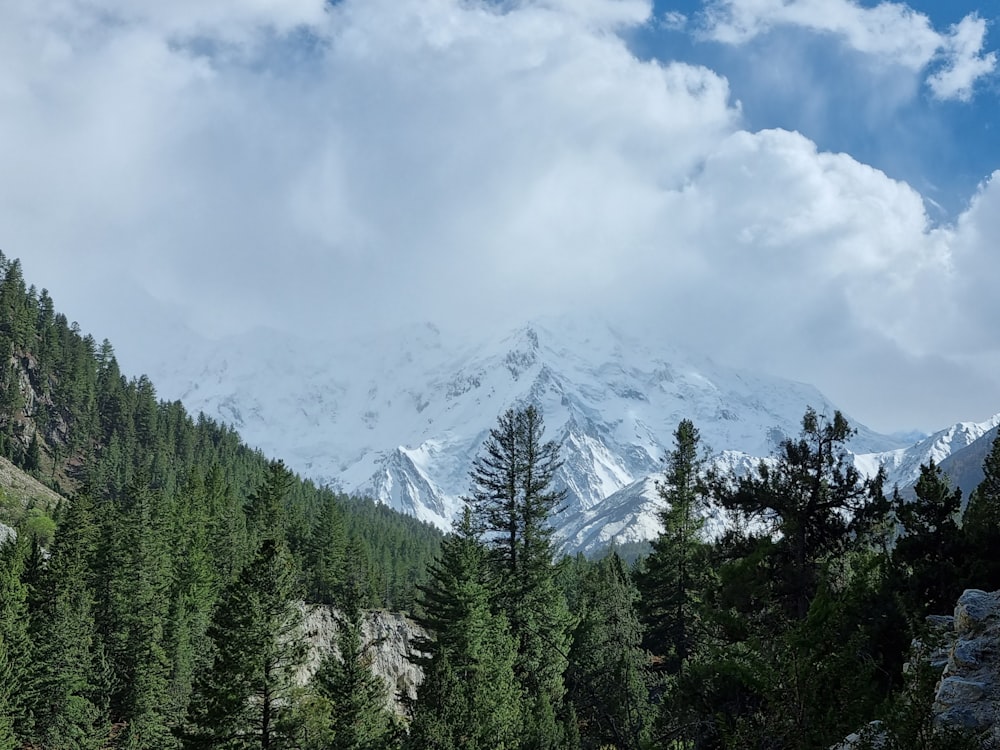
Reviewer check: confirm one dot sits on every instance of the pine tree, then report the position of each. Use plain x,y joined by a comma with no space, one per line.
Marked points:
352,698
192,595
326,553
8,690
67,696
607,664
32,456
146,705
930,551
470,697
265,508
807,497
512,497
240,700
677,573
512,504
19,664
981,526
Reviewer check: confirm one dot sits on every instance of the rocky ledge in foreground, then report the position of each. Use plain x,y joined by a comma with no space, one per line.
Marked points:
968,696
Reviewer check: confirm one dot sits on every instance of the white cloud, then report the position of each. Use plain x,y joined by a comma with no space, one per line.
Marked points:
891,32
966,62
673,20
390,160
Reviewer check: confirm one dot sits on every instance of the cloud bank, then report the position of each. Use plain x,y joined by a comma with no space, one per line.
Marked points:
344,168
892,33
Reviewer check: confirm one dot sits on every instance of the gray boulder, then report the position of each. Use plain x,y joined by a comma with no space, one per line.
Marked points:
968,696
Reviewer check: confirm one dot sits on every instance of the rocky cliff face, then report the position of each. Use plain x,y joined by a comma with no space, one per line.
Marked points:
966,648
968,696
390,635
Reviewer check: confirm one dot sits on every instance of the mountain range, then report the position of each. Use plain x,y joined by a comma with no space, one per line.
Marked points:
403,419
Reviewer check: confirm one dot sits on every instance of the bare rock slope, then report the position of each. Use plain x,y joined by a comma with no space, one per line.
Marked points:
391,638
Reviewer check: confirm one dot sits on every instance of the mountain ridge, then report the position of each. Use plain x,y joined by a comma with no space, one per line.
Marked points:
403,420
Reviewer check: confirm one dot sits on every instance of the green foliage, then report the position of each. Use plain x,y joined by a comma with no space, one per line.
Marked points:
808,498
512,498
8,740
395,551
909,722
349,709
65,697
801,633
38,525
981,526
676,576
930,552
606,674
470,697
241,699
17,664
511,504
326,554
266,506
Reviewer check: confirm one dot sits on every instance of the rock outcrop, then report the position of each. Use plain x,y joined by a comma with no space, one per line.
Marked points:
965,648
871,737
968,696
390,635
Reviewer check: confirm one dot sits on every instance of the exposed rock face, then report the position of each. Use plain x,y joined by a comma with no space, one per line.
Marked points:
966,648
390,635
872,736
968,696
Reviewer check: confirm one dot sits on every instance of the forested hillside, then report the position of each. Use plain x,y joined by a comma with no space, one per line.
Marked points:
159,605
170,532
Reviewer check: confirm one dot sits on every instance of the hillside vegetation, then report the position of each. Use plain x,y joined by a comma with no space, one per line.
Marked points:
159,605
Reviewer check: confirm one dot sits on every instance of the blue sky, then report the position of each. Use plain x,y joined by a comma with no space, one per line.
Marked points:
805,187
943,148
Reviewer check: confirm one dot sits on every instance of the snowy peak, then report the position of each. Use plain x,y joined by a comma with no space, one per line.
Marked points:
903,464
402,418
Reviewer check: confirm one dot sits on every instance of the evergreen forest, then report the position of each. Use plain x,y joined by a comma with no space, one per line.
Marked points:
160,605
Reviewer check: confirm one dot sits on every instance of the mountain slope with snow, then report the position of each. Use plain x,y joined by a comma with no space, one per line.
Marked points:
903,464
403,419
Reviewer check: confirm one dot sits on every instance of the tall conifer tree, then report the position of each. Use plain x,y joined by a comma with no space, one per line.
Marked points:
352,699
67,696
8,686
470,697
606,676
513,500
981,526
242,698
807,496
931,551
677,574
14,632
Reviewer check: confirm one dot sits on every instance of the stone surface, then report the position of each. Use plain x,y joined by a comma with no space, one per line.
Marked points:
390,635
968,695
975,611
871,736
966,648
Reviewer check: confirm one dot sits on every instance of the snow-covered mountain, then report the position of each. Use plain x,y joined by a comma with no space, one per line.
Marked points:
903,464
402,418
